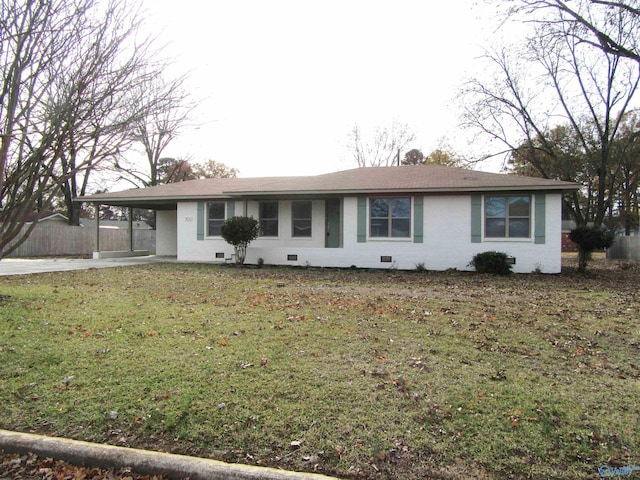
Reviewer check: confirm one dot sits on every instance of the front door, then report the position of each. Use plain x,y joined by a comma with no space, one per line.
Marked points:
333,223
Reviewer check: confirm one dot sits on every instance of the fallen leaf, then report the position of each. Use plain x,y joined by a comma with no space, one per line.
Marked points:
164,396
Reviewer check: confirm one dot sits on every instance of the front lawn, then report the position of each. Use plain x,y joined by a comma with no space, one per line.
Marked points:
355,374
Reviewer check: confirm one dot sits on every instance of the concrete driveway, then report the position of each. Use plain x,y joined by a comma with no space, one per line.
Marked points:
24,266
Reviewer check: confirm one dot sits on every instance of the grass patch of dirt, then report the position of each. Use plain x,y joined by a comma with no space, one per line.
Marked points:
360,375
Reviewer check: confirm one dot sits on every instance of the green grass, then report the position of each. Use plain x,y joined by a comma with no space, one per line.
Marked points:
370,374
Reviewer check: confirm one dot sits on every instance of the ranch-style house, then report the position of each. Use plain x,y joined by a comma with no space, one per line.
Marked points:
387,217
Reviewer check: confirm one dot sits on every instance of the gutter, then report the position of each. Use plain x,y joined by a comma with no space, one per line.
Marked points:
240,194
398,191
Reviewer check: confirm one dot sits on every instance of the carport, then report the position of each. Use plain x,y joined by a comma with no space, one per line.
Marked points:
129,200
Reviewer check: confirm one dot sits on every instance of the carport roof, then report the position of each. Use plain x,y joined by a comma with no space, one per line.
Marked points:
427,179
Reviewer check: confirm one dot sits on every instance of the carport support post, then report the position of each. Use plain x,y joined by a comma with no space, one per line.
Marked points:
131,229
97,232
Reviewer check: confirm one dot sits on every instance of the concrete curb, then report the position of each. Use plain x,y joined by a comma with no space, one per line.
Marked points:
141,461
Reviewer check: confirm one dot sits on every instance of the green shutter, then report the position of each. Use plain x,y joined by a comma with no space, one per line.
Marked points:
200,221
476,218
540,220
362,219
418,219
231,208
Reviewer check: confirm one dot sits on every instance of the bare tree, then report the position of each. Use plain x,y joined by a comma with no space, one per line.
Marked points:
625,175
68,67
555,79
157,129
36,38
383,147
598,23
104,117
25,52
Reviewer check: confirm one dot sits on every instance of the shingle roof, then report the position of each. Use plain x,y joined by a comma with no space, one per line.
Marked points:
419,178
407,179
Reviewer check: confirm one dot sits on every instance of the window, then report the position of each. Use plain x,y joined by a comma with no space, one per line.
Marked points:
507,216
301,213
390,217
215,218
269,219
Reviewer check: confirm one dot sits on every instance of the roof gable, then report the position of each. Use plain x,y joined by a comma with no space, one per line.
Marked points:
46,217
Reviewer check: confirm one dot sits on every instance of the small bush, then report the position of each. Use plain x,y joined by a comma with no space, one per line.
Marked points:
492,262
240,232
421,267
588,240
591,238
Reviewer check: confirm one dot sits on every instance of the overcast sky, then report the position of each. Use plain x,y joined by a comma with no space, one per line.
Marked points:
280,83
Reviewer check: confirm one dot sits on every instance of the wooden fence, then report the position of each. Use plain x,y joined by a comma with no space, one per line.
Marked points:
624,248
64,240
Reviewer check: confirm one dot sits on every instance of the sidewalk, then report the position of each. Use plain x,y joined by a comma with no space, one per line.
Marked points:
24,266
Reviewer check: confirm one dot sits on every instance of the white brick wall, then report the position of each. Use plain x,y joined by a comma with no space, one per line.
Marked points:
447,239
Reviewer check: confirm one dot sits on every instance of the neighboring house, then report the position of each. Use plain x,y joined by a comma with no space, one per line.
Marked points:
387,217
568,245
50,218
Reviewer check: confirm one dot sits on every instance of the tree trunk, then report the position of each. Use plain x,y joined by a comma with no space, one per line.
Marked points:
74,211
241,253
583,259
